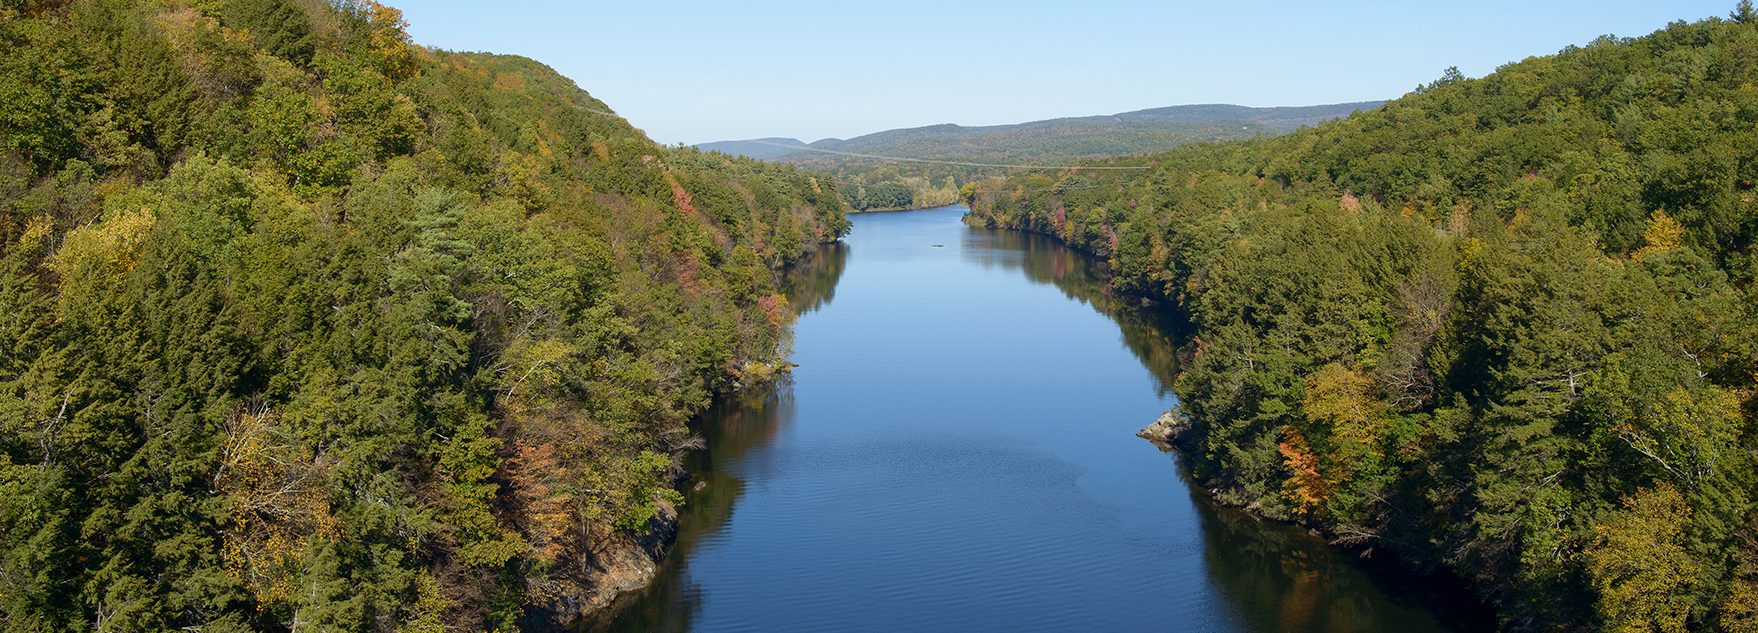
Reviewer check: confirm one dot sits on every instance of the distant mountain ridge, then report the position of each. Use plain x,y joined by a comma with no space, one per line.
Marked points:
759,148
1134,132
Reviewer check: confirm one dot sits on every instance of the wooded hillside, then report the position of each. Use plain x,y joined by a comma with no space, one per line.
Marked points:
304,326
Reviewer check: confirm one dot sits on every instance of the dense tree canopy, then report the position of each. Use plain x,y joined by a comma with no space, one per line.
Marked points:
305,326
1506,325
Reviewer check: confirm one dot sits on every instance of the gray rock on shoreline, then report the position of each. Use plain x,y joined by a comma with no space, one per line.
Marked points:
1164,430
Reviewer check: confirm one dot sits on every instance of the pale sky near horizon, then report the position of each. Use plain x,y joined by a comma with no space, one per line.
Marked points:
694,72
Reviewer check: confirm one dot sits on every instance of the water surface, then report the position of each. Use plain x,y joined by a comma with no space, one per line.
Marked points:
955,452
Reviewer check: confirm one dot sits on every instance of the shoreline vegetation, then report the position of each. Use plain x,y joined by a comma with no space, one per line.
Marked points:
897,209
1501,327
306,326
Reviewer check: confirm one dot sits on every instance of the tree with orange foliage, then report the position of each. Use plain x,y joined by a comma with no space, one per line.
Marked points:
1305,486
546,511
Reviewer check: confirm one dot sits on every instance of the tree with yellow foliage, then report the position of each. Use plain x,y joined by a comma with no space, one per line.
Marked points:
1639,565
1663,234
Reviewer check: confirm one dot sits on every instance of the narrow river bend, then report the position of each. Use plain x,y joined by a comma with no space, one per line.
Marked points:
956,452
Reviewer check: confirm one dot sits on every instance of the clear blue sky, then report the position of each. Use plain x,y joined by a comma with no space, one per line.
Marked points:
704,71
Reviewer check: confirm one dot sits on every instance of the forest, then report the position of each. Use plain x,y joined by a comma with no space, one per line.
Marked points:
886,187
1502,328
304,326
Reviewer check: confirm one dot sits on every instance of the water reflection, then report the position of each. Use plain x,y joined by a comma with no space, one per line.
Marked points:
811,283
1280,578
1149,330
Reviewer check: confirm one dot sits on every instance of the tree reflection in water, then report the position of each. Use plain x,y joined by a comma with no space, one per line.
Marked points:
1149,329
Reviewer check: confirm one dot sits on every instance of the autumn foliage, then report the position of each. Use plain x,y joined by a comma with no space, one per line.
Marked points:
1306,487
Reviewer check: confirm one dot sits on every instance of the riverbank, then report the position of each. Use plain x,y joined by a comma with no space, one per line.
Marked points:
893,209
1438,588
627,565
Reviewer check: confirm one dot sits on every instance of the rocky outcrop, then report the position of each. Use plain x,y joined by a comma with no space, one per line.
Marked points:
1165,430
621,564
628,563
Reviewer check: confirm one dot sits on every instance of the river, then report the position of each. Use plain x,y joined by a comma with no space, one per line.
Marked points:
956,452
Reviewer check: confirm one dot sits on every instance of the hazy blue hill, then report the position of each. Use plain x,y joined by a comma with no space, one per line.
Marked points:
758,148
1292,117
1053,139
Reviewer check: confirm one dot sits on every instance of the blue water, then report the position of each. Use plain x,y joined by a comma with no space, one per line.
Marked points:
956,452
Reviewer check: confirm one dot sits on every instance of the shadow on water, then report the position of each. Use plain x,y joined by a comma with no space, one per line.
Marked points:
1282,578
